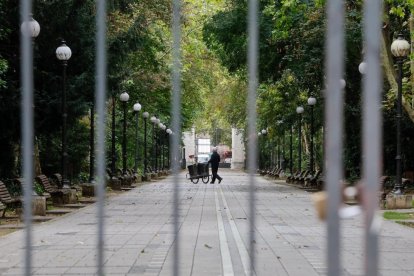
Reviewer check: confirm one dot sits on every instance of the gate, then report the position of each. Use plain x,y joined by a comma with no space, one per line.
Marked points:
334,120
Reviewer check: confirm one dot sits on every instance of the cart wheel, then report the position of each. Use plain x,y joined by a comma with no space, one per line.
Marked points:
205,179
194,180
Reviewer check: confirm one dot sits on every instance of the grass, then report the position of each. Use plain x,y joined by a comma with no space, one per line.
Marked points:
398,216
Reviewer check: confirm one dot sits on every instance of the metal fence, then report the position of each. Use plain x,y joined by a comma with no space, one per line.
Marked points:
333,123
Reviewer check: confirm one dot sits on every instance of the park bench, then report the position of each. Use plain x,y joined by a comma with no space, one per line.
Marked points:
296,178
7,199
56,180
278,173
291,177
272,171
59,196
301,179
126,179
311,180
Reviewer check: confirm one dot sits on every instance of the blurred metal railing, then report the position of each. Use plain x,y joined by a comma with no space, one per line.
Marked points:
333,122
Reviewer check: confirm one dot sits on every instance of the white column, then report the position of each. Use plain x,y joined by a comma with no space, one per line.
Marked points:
238,151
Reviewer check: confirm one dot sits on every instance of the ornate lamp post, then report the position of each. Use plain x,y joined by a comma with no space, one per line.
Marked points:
145,115
264,132
92,145
162,137
169,132
137,108
311,103
299,110
400,48
124,97
63,53
31,28
154,153
291,151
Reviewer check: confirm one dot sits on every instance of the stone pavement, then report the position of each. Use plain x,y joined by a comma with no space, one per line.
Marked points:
214,226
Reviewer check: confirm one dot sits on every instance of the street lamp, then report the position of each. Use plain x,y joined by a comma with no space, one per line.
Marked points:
264,143
362,68
311,103
145,115
63,53
124,97
154,150
299,110
400,48
137,108
169,131
30,28
92,144
162,139
291,151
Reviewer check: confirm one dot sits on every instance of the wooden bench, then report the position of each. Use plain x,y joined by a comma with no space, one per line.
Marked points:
301,177
311,180
56,180
8,200
59,196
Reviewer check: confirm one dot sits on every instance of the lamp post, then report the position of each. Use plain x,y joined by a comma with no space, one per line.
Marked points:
162,139
124,97
169,132
291,151
311,103
63,53
299,110
137,108
156,145
153,121
400,48
264,132
113,156
31,28
145,115
92,145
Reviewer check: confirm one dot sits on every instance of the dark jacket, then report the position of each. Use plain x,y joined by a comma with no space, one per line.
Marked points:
214,160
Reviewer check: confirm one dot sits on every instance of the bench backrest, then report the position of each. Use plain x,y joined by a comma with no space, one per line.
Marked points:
56,180
43,181
4,193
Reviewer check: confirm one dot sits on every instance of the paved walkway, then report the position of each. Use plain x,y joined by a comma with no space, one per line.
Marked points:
214,232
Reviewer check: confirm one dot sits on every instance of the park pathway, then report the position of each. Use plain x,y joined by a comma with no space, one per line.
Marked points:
214,226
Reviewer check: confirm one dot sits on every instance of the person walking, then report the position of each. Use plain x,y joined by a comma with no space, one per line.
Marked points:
214,161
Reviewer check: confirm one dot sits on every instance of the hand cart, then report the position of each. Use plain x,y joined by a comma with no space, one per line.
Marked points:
197,171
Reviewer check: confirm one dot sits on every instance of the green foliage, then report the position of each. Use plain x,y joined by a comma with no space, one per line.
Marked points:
397,216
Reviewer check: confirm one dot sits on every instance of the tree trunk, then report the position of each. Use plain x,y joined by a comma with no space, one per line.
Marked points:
36,159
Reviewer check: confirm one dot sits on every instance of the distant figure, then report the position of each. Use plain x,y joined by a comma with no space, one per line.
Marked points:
215,160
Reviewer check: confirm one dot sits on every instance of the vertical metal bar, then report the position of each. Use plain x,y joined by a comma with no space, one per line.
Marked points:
372,130
176,124
100,96
27,131
252,58
334,126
